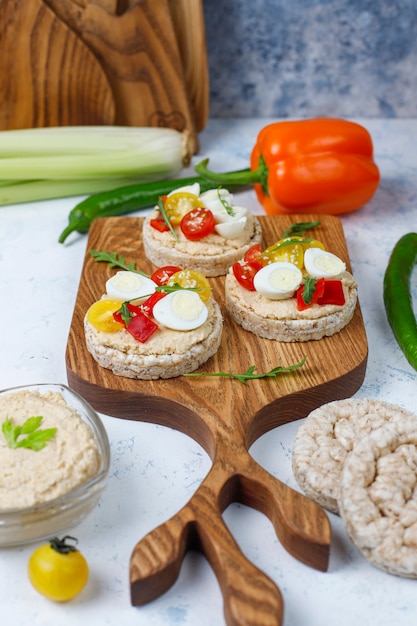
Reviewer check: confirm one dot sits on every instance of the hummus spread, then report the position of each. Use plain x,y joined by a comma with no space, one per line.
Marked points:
29,477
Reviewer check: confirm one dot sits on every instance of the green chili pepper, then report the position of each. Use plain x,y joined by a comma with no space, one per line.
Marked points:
397,296
128,199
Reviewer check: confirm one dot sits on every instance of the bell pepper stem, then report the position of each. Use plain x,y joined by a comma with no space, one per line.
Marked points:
241,177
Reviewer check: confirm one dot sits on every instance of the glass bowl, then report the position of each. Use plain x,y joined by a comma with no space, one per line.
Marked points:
43,521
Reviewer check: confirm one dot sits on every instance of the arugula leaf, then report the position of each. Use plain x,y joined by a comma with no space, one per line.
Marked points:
125,313
309,289
289,242
166,218
115,261
299,228
178,287
31,436
250,373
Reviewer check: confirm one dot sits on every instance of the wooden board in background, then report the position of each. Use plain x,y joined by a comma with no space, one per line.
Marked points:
225,417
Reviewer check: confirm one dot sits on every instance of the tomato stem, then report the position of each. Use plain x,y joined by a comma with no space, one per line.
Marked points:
61,545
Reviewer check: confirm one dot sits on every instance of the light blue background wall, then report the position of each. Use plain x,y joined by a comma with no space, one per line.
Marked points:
301,58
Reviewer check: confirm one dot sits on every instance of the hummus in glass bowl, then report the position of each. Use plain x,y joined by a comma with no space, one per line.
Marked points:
54,462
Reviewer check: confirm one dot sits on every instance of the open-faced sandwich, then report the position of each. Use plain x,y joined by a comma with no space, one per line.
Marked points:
158,326
294,290
206,232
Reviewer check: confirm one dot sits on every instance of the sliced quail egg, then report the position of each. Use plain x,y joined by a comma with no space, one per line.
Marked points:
231,229
126,285
194,189
213,199
322,264
278,280
181,310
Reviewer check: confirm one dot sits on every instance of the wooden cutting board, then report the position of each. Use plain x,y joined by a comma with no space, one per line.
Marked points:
225,417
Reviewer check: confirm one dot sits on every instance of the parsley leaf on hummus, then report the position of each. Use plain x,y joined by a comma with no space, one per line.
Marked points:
31,435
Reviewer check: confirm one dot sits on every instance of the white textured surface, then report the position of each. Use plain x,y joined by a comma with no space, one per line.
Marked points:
154,470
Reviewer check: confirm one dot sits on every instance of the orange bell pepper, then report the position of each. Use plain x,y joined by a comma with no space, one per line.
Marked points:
320,165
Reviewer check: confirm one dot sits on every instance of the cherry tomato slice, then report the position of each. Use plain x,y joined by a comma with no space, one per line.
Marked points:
286,250
314,243
254,257
100,315
176,205
162,274
244,274
148,305
191,279
197,223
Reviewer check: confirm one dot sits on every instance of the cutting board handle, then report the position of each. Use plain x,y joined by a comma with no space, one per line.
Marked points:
250,597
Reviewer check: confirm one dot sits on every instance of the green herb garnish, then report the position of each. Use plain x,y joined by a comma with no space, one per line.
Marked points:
289,242
127,315
178,287
227,207
250,373
309,289
115,261
166,218
28,435
299,228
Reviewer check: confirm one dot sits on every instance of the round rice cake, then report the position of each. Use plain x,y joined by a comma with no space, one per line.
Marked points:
327,436
166,354
281,320
378,497
212,255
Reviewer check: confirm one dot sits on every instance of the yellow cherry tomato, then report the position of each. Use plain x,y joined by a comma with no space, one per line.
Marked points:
191,279
100,315
178,204
314,243
285,250
58,570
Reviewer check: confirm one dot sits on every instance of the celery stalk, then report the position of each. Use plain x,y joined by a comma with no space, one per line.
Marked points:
16,192
42,163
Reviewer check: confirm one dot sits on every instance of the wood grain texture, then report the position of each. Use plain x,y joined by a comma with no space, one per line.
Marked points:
75,62
225,417
48,76
188,22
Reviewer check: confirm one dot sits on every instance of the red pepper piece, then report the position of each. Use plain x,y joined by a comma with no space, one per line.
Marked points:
159,224
326,292
333,293
317,294
140,326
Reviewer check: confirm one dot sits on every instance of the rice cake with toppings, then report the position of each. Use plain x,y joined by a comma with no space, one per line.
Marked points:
166,354
212,255
280,320
378,497
327,436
